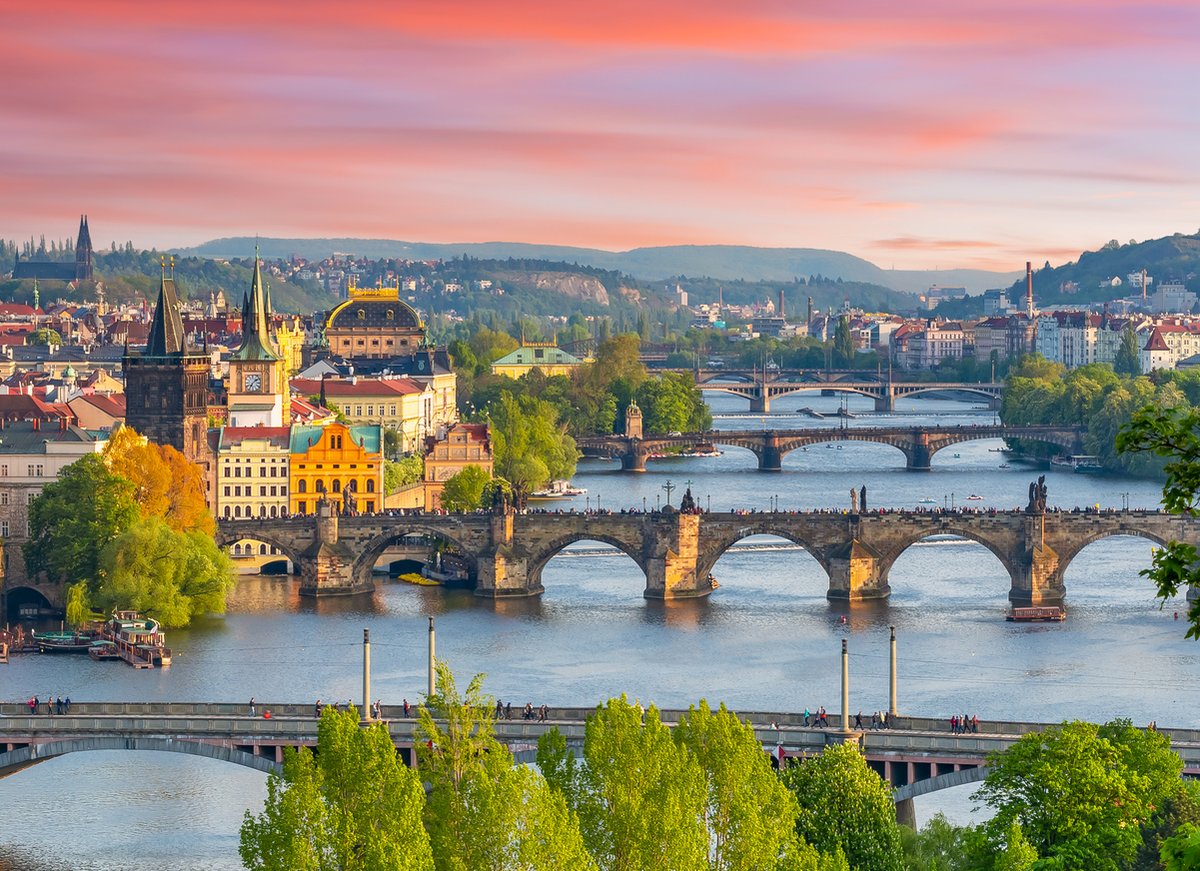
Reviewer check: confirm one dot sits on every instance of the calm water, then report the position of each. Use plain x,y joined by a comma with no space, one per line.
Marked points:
767,639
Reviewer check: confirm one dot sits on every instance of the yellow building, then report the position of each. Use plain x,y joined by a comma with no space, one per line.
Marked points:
536,355
290,339
374,323
253,469
338,463
465,444
401,404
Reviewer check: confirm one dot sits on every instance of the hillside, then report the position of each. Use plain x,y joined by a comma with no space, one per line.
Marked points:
1176,256
721,262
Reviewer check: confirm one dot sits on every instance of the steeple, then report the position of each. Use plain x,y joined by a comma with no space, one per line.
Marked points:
83,251
256,341
166,327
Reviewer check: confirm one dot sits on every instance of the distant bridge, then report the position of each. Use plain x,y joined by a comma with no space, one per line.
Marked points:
916,756
760,388
918,443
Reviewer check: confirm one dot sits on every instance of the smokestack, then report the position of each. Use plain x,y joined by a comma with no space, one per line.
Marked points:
1029,289
780,312
810,313
1144,284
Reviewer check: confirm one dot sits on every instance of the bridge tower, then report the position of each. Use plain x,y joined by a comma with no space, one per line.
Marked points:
633,421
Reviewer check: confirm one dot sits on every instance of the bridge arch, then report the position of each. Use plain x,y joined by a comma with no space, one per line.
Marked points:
30,596
949,780
31,754
538,560
231,534
997,548
1067,554
715,547
373,549
905,393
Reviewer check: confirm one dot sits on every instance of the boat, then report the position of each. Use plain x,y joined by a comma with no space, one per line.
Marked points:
64,642
1004,466
703,449
1040,612
927,501
101,650
139,639
957,456
560,489
1079,463
974,497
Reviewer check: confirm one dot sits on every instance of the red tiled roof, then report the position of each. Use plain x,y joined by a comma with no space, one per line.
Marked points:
22,406
112,404
361,387
280,436
1156,342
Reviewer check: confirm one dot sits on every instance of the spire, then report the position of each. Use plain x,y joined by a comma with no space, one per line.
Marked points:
166,327
256,341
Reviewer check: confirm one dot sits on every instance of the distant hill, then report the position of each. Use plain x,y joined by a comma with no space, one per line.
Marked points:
721,262
1176,256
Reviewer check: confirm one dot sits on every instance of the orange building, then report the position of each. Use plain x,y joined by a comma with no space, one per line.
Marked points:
465,444
339,463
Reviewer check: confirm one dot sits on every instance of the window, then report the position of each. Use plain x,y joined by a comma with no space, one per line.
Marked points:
237,511
273,493
4,471
370,506
29,497
4,497
262,491
31,467
302,507
337,485
228,512
370,485
4,528
226,493
301,486
262,550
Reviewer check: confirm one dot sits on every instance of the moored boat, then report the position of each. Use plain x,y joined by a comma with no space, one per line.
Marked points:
1039,612
64,642
101,650
139,639
560,489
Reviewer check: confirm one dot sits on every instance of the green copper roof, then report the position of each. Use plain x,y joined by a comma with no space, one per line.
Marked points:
370,436
256,340
538,357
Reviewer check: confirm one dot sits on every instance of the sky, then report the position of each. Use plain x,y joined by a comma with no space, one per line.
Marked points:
927,134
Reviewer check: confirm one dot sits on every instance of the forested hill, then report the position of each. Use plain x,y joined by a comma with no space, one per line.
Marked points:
1176,256
721,262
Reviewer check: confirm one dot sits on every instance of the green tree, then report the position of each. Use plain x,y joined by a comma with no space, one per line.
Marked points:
74,518
172,575
1173,433
464,489
843,343
1180,809
845,805
353,806
750,815
402,472
1080,791
482,812
671,403
938,846
640,796
1018,854
1129,358
490,345
1181,852
529,445
44,336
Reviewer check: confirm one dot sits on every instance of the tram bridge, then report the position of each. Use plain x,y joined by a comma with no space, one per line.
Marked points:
507,552
916,755
919,443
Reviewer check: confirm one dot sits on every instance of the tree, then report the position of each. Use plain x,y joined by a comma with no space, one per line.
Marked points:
1080,791
750,815
172,575
166,483
1018,854
1177,811
1173,433
640,796
74,518
529,445
843,342
354,806
463,491
44,336
672,403
402,472
845,805
1129,358
1182,851
483,812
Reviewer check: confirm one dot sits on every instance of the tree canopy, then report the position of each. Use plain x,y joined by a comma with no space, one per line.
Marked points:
463,490
529,445
353,806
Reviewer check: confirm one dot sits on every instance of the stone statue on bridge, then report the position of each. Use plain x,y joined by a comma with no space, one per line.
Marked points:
862,499
687,505
1037,496
853,501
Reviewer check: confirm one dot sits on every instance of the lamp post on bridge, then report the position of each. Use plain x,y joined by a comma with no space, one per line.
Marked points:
432,682
1125,501
893,702
366,708
845,687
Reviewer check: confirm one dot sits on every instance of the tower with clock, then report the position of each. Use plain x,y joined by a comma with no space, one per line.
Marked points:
258,388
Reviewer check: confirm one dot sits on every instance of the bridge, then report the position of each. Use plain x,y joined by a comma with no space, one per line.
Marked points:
760,387
919,443
915,755
506,552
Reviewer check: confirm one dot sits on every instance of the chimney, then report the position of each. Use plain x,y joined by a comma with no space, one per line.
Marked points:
1029,289
37,424
810,312
780,313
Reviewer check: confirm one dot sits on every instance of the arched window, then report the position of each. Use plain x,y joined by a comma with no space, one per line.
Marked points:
237,511
228,511
320,486
337,485
370,485
262,549
302,486
273,514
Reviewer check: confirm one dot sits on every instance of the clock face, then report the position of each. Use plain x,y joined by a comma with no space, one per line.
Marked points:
253,382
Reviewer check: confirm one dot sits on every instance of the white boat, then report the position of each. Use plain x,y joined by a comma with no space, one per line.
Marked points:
927,501
974,498
560,489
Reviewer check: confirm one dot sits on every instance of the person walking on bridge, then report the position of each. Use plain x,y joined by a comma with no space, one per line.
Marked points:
253,709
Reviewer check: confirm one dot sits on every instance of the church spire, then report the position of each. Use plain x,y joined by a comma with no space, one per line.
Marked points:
256,340
166,327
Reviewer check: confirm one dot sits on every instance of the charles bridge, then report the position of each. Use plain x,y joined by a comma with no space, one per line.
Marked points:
506,551
915,755
919,443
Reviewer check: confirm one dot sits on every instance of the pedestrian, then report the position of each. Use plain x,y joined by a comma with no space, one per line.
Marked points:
33,705
499,709
806,716
954,724
67,704
317,709
508,711
406,715
49,704
975,723
883,719
858,720
58,707
253,709
378,709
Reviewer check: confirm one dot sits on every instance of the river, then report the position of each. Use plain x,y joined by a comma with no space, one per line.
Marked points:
767,639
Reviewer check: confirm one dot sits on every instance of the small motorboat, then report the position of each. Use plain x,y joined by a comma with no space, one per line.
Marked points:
974,498
927,501
101,650
562,489
1004,466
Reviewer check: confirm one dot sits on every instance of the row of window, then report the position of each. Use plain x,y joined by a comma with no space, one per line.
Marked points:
237,511
4,528
249,549
276,472
239,490
368,506
320,486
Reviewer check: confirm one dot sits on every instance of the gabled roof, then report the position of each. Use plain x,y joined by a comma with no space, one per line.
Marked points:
338,388
369,436
1156,342
112,404
533,356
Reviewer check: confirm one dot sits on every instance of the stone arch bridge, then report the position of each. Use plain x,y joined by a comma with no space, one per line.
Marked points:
760,389
919,443
507,552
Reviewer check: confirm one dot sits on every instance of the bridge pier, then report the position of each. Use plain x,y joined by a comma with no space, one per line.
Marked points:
906,813
770,458
671,570
633,461
503,572
920,453
886,400
331,567
1038,579
857,573
760,402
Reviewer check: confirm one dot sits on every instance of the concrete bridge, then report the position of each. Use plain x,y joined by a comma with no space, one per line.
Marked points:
507,552
919,443
761,387
916,755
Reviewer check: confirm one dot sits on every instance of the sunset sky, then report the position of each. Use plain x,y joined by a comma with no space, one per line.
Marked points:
919,135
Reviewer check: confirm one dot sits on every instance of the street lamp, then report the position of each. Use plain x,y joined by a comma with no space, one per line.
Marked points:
588,502
952,501
1125,501
643,504
709,504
